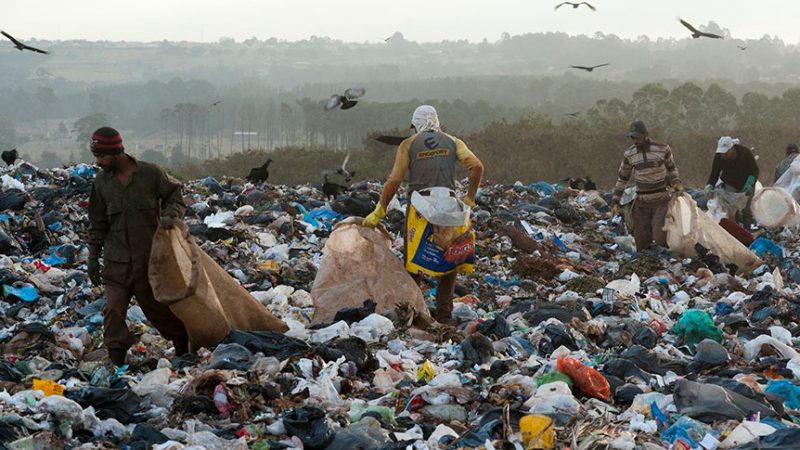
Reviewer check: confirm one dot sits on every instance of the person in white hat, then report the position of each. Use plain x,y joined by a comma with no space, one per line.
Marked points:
735,165
429,158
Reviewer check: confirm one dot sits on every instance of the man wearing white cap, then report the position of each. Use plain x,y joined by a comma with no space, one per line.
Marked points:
736,166
429,158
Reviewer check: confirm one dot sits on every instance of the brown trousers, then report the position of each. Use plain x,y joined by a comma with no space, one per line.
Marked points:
123,281
648,223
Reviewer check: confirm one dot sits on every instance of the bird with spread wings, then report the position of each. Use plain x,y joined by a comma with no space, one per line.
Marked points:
20,46
697,33
590,68
575,5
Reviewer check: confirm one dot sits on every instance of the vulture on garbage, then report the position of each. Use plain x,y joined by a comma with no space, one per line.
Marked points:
9,156
259,174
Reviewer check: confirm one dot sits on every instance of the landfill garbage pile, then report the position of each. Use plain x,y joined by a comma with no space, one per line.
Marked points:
567,338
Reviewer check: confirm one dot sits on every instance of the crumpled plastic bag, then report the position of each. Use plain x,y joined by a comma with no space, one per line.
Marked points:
358,264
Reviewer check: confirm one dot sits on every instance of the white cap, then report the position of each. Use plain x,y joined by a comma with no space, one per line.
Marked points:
726,143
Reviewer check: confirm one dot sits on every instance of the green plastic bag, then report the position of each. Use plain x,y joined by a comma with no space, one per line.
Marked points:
696,325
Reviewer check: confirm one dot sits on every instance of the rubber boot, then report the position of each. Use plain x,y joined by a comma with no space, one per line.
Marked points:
181,347
117,356
444,300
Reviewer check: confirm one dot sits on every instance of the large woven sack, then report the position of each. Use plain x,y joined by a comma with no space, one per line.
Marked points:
358,264
209,302
774,207
688,225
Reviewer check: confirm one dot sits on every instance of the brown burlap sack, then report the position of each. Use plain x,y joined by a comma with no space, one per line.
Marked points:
209,302
358,264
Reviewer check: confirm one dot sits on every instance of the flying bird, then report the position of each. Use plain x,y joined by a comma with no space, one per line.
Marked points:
259,174
696,33
390,140
345,101
575,5
348,176
572,114
216,103
20,46
591,68
742,47
9,156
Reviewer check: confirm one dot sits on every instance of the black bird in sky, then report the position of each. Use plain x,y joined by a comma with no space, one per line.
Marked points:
20,46
742,47
590,68
572,114
575,5
345,101
9,156
696,33
259,174
216,103
390,140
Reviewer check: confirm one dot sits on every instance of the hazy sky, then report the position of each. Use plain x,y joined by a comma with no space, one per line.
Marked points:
374,20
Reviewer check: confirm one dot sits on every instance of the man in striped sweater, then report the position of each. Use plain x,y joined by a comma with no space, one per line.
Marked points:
654,171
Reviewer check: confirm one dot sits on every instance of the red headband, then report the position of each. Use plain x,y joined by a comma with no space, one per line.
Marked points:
106,145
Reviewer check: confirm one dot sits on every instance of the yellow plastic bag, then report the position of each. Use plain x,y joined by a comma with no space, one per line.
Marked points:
426,372
49,387
537,432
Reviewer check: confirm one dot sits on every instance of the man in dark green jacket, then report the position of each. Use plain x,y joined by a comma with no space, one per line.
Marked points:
129,199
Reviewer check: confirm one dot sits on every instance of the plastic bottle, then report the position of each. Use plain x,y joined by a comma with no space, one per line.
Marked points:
221,400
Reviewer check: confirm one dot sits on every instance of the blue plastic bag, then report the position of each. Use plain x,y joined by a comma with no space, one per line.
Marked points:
763,247
26,293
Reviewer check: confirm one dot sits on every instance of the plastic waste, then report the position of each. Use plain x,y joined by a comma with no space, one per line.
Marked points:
709,402
753,348
537,431
310,425
745,433
764,247
709,353
588,380
786,389
24,293
696,325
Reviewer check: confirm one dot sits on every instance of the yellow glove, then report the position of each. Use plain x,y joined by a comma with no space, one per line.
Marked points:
374,218
678,189
469,201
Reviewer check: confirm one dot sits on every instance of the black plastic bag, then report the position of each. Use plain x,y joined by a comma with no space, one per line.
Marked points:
351,315
270,343
477,349
120,404
497,327
310,425
352,348
13,199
